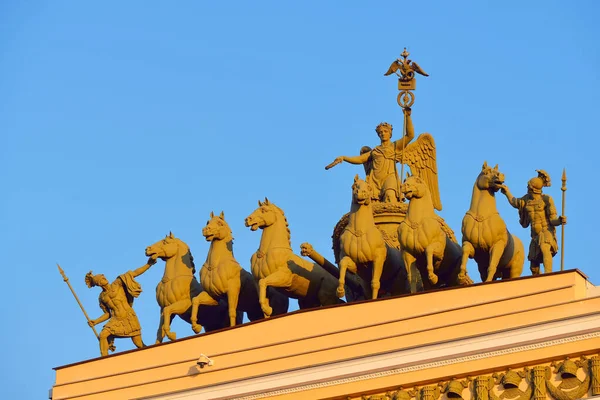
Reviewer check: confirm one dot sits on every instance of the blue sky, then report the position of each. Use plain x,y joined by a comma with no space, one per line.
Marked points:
121,122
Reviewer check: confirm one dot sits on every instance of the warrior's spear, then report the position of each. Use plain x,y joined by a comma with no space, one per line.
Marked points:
76,298
562,235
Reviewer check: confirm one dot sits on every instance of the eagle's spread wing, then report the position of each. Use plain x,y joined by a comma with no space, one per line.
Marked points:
393,68
418,69
420,157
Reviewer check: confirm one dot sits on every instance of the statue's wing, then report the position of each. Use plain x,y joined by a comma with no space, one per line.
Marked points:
393,68
368,165
418,69
420,157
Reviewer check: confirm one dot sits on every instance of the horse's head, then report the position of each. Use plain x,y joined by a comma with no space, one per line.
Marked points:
362,191
490,178
265,215
414,187
216,228
164,249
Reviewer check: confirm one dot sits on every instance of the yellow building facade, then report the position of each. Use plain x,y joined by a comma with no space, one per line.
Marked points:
534,337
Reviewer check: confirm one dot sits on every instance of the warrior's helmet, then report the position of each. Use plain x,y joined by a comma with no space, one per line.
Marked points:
535,185
91,279
542,180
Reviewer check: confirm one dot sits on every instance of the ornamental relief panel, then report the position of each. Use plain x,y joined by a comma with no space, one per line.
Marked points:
568,379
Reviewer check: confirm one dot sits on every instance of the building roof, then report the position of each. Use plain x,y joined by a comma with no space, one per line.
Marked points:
358,347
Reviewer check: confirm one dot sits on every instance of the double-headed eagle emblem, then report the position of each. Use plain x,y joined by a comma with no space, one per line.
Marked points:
405,68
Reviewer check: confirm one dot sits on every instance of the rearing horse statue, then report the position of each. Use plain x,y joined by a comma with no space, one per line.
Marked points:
275,264
426,241
498,253
222,276
363,250
178,286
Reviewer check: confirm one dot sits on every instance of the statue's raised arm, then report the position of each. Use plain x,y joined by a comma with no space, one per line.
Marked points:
420,157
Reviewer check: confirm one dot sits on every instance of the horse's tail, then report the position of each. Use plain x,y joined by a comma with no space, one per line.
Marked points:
518,258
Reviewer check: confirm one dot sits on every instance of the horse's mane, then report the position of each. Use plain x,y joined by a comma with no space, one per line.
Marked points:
189,252
287,225
230,242
228,227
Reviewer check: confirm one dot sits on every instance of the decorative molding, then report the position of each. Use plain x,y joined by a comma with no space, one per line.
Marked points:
564,383
419,367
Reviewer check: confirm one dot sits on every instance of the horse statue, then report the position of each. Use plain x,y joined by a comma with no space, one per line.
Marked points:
426,240
363,250
355,287
178,286
222,276
498,253
276,265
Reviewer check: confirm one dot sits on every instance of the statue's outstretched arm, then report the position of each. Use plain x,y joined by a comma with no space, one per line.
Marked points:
363,158
352,280
512,200
144,268
357,159
307,250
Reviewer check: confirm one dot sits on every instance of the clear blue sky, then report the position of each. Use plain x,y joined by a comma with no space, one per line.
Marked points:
121,121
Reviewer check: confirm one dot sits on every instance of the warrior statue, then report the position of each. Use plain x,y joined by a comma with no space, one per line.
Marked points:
380,162
116,300
537,210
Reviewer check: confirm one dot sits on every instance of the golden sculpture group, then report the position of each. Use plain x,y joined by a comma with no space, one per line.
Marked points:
383,247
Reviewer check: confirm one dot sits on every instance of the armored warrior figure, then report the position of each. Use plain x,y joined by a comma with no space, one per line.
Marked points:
538,211
116,300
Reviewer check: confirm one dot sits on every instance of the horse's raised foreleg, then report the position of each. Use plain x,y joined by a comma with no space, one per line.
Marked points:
203,299
346,264
378,261
434,249
169,311
468,251
282,278
495,254
233,293
409,259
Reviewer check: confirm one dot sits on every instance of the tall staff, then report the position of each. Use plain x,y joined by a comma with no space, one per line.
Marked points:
562,233
405,70
66,279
